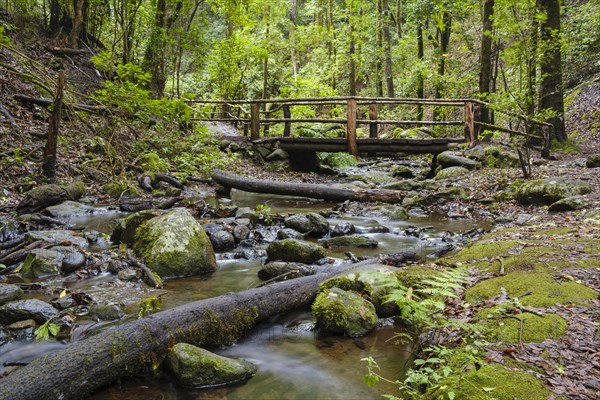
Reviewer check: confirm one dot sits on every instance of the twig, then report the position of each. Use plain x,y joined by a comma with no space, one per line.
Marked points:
12,243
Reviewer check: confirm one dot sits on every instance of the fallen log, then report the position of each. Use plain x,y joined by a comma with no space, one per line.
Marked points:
124,350
315,191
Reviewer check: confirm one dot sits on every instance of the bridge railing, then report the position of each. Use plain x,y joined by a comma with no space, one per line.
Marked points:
252,114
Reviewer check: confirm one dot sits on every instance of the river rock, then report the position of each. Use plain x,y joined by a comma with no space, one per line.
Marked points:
342,311
277,268
476,153
395,212
9,293
175,245
68,209
289,233
18,310
343,229
124,232
569,204
73,261
9,229
407,184
57,236
402,171
451,173
241,232
550,190
106,312
358,241
312,224
452,159
593,161
47,195
127,274
294,250
277,155
197,368
222,241
45,263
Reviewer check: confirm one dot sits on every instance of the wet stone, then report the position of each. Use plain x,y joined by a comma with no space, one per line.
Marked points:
9,293
289,233
127,274
343,229
106,312
241,232
222,241
35,309
73,261
292,270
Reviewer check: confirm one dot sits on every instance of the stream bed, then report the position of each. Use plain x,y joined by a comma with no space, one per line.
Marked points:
294,360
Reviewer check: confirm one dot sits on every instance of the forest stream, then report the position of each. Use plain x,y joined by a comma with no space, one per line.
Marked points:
294,360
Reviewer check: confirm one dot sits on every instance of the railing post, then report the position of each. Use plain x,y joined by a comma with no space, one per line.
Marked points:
373,112
351,127
254,121
469,121
287,128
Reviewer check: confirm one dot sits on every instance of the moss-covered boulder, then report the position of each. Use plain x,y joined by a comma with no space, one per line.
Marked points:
197,368
175,245
358,241
551,190
375,280
543,290
406,184
294,250
9,292
42,263
593,161
451,173
47,195
452,159
124,232
569,204
346,312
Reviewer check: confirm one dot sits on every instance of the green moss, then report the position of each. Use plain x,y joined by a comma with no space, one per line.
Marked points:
567,147
536,329
493,382
151,162
544,291
118,188
346,312
413,275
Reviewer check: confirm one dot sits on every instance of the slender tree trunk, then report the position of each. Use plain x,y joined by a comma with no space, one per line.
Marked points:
352,53
292,37
551,89
56,12
420,80
443,34
532,65
265,91
77,24
387,49
50,150
485,57
379,63
332,40
399,18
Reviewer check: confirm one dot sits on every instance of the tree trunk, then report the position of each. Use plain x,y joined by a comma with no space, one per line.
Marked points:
444,36
551,89
420,80
352,54
77,24
50,150
316,191
387,49
121,351
485,57
292,37
379,63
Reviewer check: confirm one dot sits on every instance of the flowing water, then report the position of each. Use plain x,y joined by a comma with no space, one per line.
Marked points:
294,361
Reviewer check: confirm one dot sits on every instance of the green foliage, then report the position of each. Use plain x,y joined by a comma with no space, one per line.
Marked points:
47,329
264,213
149,305
3,38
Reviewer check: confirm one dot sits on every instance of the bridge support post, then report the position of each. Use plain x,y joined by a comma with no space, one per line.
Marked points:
351,127
254,121
373,111
472,116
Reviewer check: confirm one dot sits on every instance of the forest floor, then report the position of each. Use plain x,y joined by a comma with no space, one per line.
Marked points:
569,365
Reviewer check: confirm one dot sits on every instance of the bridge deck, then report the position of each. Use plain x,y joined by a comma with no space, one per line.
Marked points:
371,145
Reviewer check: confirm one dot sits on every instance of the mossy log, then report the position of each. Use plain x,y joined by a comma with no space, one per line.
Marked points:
315,191
121,351
49,195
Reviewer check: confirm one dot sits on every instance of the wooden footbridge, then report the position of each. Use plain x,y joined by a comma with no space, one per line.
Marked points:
462,114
